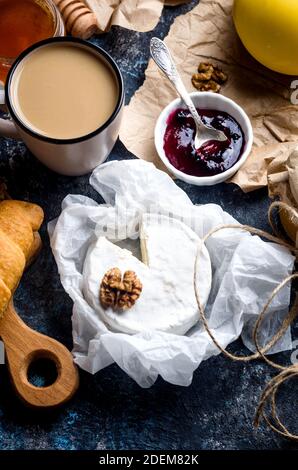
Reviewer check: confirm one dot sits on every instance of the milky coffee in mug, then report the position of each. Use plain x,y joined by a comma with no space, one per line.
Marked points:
65,97
62,91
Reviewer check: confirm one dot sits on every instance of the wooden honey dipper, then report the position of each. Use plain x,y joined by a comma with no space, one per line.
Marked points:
79,20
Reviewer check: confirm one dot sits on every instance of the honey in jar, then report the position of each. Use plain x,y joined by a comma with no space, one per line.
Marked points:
22,23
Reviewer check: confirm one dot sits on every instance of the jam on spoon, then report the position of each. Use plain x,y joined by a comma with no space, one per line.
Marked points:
213,157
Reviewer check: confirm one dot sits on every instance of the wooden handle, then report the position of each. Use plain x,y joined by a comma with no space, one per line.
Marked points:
79,20
23,346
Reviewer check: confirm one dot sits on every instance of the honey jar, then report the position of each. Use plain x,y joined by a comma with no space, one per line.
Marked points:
22,23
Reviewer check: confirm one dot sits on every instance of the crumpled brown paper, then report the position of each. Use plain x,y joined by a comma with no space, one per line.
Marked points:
138,15
207,33
283,184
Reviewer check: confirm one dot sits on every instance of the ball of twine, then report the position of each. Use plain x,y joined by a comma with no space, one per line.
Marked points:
270,392
291,212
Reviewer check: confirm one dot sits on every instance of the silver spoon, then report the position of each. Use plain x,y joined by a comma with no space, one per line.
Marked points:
163,59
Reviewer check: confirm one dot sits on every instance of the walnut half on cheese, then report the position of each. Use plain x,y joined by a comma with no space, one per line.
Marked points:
117,292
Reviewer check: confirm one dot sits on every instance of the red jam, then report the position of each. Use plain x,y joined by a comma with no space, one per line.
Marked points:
213,157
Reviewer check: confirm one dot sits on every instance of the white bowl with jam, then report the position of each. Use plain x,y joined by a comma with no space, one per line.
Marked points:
214,162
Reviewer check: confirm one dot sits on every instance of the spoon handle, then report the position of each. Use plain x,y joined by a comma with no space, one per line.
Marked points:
163,59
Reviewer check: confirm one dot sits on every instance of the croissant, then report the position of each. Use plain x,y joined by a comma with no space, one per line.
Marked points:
19,223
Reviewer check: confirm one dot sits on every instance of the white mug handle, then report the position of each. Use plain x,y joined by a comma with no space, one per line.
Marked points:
7,127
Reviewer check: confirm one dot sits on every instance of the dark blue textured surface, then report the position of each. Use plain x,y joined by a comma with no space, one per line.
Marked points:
110,411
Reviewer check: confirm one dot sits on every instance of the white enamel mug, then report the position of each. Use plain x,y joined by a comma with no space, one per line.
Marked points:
72,157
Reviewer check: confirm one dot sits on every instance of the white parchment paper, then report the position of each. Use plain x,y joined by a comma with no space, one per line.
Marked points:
245,272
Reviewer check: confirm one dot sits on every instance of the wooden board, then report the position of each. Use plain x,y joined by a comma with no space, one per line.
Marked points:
24,346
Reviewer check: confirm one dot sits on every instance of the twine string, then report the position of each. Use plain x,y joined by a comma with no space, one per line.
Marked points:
287,373
288,320
260,352
269,397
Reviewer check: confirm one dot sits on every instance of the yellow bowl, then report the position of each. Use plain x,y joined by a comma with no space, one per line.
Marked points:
269,31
